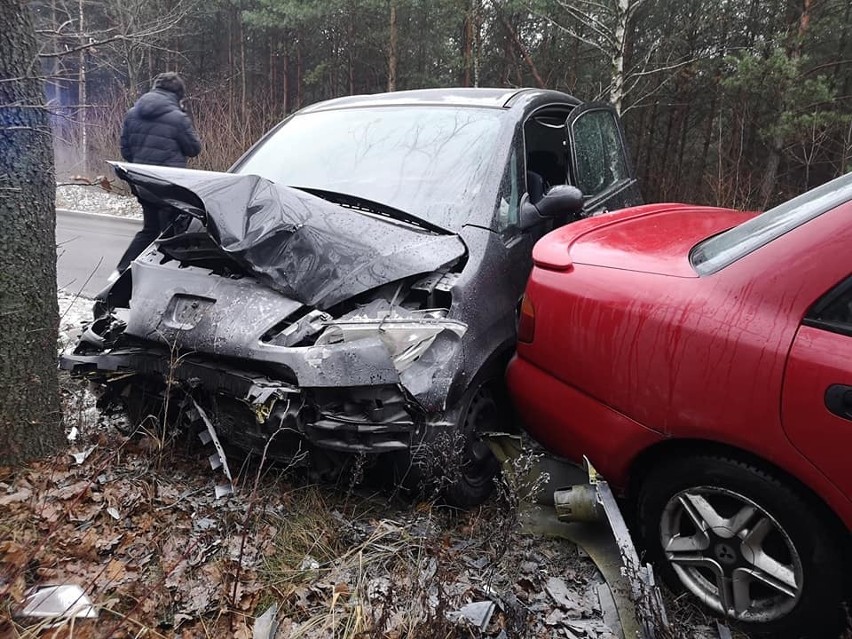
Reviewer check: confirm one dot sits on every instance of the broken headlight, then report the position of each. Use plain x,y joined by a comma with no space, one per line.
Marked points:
406,338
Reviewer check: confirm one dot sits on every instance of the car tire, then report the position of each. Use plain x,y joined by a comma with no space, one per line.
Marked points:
455,466
473,482
746,543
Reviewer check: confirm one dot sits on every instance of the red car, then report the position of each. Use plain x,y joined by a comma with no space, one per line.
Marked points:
701,358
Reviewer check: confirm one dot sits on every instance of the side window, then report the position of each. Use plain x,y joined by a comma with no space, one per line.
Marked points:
834,311
599,152
511,189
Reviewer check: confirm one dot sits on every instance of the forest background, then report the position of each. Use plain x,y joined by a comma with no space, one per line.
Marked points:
731,102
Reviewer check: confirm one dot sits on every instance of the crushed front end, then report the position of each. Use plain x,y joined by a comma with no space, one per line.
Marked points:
298,323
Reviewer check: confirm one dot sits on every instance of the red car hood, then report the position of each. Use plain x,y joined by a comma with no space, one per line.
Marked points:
654,238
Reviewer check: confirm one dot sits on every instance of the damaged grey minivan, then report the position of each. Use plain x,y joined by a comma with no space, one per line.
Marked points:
349,287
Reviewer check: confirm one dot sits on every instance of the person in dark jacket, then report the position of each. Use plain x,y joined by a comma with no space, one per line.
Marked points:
158,131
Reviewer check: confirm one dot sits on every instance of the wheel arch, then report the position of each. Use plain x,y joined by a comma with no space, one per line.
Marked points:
650,457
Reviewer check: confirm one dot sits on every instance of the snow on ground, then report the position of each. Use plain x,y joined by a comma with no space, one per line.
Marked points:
93,199
75,312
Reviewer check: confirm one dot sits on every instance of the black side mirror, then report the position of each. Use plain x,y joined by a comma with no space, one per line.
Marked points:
560,200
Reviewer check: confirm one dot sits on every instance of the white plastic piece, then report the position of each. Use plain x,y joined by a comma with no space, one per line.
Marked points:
266,625
59,602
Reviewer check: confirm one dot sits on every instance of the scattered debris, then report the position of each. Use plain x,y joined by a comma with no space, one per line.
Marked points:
265,626
563,597
347,561
80,457
58,602
724,631
478,613
218,458
593,502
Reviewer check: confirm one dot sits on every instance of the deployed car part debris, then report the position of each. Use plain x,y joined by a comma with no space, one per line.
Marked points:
218,459
58,602
575,504
266,625
349,287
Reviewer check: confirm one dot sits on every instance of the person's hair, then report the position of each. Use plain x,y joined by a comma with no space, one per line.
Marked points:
170,81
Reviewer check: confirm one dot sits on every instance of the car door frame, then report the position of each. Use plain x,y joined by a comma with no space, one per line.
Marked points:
593,203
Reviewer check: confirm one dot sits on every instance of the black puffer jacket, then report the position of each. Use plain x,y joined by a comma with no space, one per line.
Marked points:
157,131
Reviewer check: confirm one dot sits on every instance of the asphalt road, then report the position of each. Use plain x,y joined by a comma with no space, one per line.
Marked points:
88,247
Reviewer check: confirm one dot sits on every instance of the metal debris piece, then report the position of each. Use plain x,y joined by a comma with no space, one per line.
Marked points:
113,512
309,563
577,628
562,595
265,626
724,631
80,457
205,523
215,461
218,458
223,489
578,503
215,439
478,613
73,433
644,590
609,611
554,618
58,602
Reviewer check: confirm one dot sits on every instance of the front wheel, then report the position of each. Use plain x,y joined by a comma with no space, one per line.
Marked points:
473,481
745,543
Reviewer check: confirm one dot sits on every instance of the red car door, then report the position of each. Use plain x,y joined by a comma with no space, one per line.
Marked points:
817,397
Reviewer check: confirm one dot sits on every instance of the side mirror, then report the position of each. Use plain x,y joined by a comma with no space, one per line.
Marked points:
561,200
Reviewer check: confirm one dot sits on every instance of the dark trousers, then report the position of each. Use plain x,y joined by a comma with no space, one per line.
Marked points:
154,222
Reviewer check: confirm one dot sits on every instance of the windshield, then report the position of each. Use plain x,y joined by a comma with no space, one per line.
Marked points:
427,161
715,253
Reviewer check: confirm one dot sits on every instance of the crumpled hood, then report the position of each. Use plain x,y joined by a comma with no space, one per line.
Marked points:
155,103
311,250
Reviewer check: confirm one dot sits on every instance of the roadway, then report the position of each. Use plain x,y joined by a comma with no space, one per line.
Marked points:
88,247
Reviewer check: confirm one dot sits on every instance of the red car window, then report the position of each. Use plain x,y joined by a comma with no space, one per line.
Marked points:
719,251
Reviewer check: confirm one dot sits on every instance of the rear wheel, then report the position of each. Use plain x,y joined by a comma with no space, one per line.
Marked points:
745,543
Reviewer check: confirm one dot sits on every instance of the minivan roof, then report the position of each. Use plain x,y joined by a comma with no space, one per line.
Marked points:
461,96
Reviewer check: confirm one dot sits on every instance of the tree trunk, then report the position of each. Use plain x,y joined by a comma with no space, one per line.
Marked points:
770,173
616,91
350,51
83,97
243,78
523,51
29,400
393,52
299,72
467,49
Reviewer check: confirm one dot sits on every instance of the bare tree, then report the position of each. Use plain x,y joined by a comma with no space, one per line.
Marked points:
602,24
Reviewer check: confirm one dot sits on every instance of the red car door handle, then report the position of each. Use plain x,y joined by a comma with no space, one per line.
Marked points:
838,400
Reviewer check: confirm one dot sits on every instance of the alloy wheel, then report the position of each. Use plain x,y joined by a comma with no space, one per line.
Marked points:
731,553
